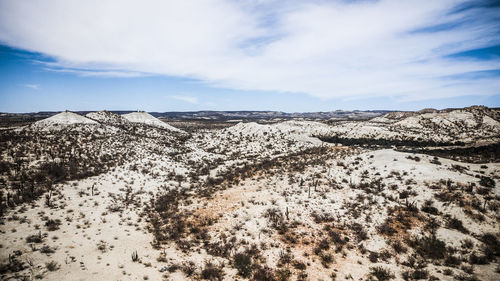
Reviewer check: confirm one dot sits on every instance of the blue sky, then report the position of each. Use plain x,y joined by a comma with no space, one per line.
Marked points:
248,55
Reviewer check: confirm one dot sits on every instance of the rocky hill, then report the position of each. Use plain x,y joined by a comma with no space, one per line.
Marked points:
63,120
148,119
107,117
468,125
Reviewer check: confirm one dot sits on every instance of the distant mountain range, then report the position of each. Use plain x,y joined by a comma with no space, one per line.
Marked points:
229,115
256,116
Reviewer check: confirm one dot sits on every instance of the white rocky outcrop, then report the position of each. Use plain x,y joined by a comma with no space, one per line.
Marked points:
107,117
148,119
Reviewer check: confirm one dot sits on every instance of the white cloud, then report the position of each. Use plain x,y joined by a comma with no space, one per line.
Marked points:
94,73
326,49
33,86
185,98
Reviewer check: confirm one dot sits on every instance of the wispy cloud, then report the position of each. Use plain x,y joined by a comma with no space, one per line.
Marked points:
95,73
188,99
32,86
346,49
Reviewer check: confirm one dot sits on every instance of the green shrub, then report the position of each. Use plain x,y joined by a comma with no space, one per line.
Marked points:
264,274
53,224
35,238
243,263
430,247
212,272
52,266
491,245
487,182
382,274
283,274
457,224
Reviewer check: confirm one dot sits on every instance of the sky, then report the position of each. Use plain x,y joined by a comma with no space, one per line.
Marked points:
285,55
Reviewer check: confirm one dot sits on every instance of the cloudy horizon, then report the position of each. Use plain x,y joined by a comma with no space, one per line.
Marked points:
248,55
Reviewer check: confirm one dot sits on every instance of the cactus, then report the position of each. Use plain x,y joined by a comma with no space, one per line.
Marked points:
47,198
135,256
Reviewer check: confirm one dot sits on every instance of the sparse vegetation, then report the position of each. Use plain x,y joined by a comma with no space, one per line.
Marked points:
243,263
52,266
381,274
247,201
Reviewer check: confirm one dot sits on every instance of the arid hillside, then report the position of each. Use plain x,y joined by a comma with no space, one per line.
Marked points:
402,196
